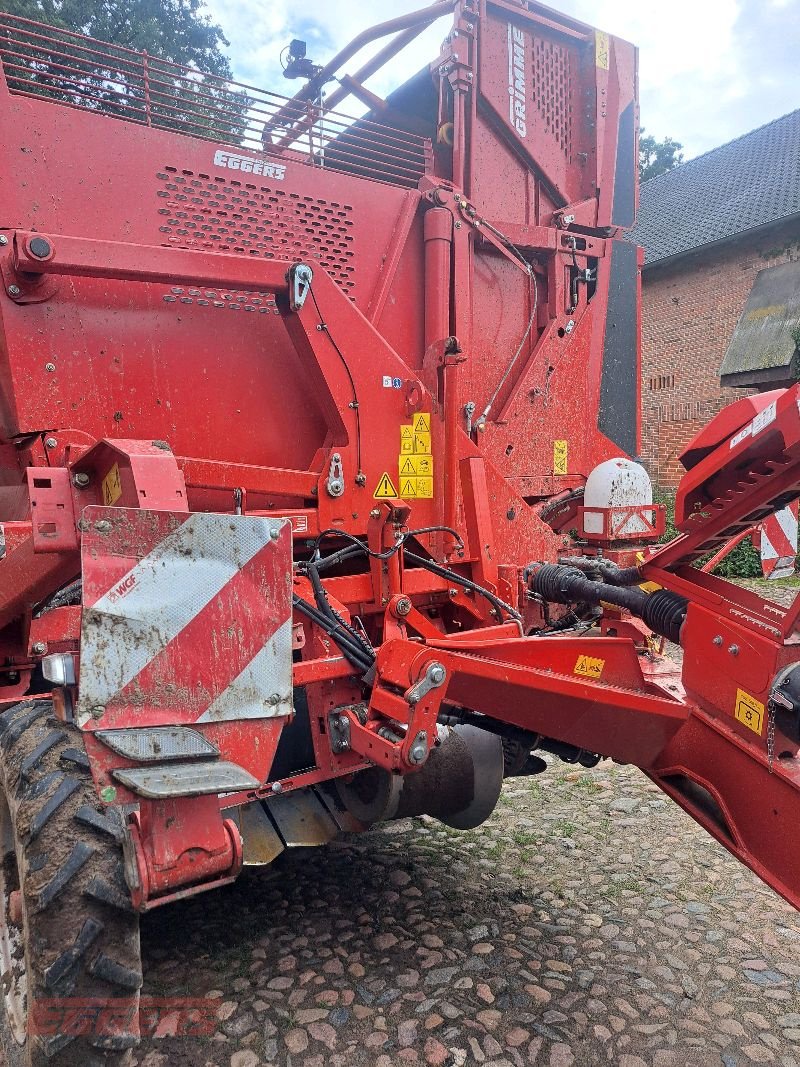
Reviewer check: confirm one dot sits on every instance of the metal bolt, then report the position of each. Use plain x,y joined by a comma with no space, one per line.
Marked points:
717,640
103,526
274,533
452,592
734,650
39,648
3,239
403,606
470,76
13,290
319,327
51,442
39,247
81,480
437,673
274,698
277,787
375,513
49,367
98,711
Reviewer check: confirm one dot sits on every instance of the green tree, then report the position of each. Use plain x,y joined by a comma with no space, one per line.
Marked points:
657,157
173,33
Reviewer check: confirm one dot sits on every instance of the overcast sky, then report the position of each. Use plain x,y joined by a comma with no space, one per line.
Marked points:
709,70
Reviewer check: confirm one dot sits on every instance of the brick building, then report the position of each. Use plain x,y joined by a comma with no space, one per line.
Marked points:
720,286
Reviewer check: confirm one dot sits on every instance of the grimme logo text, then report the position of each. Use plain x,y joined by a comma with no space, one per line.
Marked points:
516,79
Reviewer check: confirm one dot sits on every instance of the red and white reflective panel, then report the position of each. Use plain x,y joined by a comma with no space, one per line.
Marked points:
779,543
186,618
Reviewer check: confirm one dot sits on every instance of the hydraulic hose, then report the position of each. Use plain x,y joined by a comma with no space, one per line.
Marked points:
664,612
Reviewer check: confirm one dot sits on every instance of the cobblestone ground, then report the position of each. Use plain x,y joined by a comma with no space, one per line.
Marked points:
590,921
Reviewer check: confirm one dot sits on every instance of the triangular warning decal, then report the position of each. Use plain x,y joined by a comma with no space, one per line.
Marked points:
408,488
422,423
406,433
385,488
408,468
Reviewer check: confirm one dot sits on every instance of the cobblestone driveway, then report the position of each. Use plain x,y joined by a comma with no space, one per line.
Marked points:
590,921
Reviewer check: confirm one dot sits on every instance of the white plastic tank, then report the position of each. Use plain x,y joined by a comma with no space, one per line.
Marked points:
617,483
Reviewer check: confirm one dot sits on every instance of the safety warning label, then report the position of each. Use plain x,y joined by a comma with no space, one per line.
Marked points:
385,489
415,461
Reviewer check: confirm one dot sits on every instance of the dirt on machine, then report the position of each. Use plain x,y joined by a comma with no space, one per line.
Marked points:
319,501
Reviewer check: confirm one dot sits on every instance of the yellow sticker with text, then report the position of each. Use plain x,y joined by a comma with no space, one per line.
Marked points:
601,49
589,666
749,711
559,457
112,488
386,489
422,422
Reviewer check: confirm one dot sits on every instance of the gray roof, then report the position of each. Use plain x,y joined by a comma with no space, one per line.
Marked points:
747,183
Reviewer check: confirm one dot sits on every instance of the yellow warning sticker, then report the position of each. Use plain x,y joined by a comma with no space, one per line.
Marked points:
601,49
422,444
589,666
416,488
416,466
385,489
559,457
749,711
112,489
415,461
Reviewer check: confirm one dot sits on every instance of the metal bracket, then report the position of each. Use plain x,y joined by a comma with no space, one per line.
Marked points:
435,676
300,278
339,732
335,482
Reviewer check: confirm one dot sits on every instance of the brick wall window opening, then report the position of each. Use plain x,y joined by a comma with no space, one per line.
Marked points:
662,381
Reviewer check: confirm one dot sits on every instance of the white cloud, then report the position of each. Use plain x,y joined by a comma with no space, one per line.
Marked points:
709,70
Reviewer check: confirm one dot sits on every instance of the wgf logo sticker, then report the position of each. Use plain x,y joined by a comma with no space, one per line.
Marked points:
122,589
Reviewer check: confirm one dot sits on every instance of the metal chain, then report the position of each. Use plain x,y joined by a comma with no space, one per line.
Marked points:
770,734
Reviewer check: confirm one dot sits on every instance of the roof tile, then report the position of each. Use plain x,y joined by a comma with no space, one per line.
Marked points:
747,183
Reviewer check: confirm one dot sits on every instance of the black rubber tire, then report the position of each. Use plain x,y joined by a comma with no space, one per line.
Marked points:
81,935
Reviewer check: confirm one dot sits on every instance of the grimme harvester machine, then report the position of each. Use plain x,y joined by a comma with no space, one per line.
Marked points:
316,504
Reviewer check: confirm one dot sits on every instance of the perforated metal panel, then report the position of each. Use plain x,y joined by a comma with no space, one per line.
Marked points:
198,211
552,90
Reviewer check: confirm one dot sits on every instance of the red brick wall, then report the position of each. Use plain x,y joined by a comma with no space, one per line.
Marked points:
689,311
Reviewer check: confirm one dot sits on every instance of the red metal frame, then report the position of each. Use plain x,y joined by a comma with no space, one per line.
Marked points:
158,355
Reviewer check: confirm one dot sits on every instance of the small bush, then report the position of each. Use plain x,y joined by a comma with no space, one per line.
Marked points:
742,562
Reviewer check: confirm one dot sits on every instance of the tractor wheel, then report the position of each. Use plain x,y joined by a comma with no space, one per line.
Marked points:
70,964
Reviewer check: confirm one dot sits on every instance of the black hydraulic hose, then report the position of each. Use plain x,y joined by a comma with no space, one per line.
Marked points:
444,572
603,568
355,654
328,609
664,612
